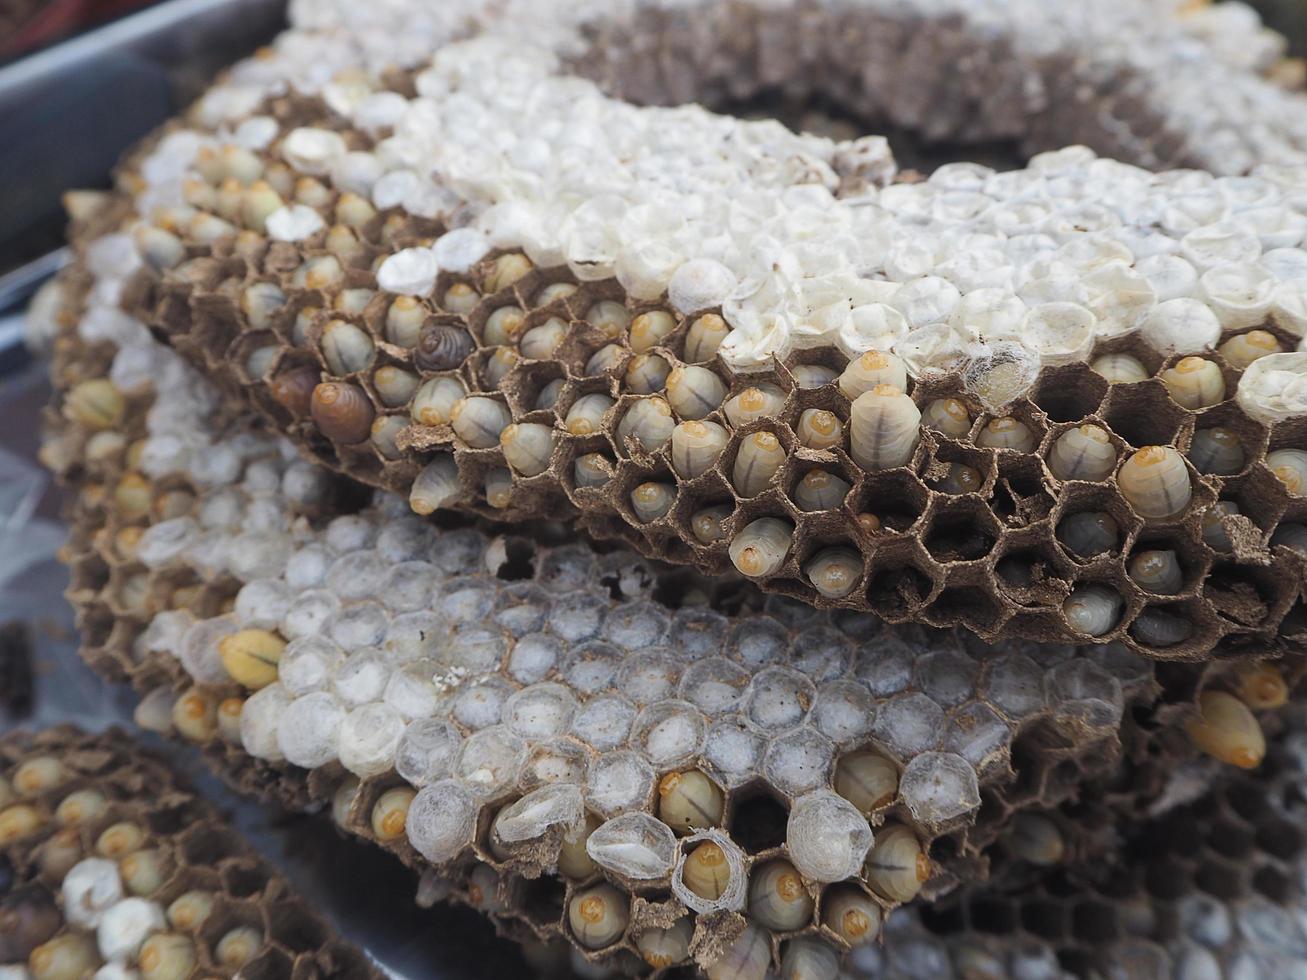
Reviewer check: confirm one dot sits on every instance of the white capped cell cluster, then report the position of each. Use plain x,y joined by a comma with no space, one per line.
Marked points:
1201,908
106,882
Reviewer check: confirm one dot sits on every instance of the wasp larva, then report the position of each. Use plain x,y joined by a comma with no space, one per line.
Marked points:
1007,433
395,386
694,392
598,916
834,572
435,400
1217,451
478,421
609,316
499,488
1120,369
820,490
897,866
1194,382
872,369
1089,533
548,396
556,291
1156,482
1157,628
1290,468
1214,532
1157,571
819,429
503,326
947,415
704,337
1261,685
1242,350
649,330
807,958
540,342
527,447
586,415
960,478
762,401
652,501
851,915
647,422
1226,730
810,376
707,523
661,948
885,428
759,458
778,898
761,548
1092,609
497,366
647,373
696,447
606,358
1083,453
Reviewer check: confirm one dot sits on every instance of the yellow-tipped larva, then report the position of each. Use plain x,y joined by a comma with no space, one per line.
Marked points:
527,447
707,523
345,348
885,428
897,866
1156,482
763,401
478,421
499,488
1226,730
759,458
1242,350
689,801
606,358
851,915
503,326
1083,453
820,490
704,337
1261,685
1007,433
777,897
649,330
647,373
1194,382
808,376
706,871
506,270
1092,609
871,370
748,958
609,316
648,422
819,429
867,780
1089,533
661,948
834,572
540,342
558,290
696,447
461,298
586,416
498,365
1157,571
435,400
1290,468
808,958
651,501
960,478
598,916
435,486
949,416
1120,369
694,392
592,470
1218,451
395,386
761,548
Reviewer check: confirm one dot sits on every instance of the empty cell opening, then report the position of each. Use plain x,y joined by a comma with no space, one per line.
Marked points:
758,823
1065,400
1239,594
1145,422
898,591
210,846
1218,880
271,964
1093,923
1020,498
296,930
993,915
542,899
1231,840
164,822
244,880
968,605
1280,839
959,536
1166,880
943,920
519,562
1044,919
1273,884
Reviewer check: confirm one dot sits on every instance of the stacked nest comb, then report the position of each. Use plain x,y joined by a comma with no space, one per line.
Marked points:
1048,422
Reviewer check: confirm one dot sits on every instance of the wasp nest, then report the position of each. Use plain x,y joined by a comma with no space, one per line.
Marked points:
1062,402
1213,889
559,730
109,867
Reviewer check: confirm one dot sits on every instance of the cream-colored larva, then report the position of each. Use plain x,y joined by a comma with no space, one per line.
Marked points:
819,429
885,428
1157,571
1007,433
499,488
707,523
540,342
694,392
759,458
395,386
1092,609
809,958
851,915
503,326
528,447
809,376
1214,533
1083,453
834,572
704,337
661,948
960,478
1241,351
435,486
649,330
346,348
696,447
1089,533
872,369
763,401
647,373
609,316
897,865
592,470
478,421
762,546
605,359
651,501
1218,451
1120,369
498,365
598,916
586,415
947,415
548,396
778,898
461,298
820,490
648,423
556,291
1156,482
1290,468
1194,382
385,430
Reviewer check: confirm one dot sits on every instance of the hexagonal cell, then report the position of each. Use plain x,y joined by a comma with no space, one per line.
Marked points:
1167,564
1239,435
527,382
1045,919
898,586
1021,497
815,486
971,606
1070,392
1248,596
1169,629
961,530
957,470
1087,515
1093,922
896,499
1144,415
1032,571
